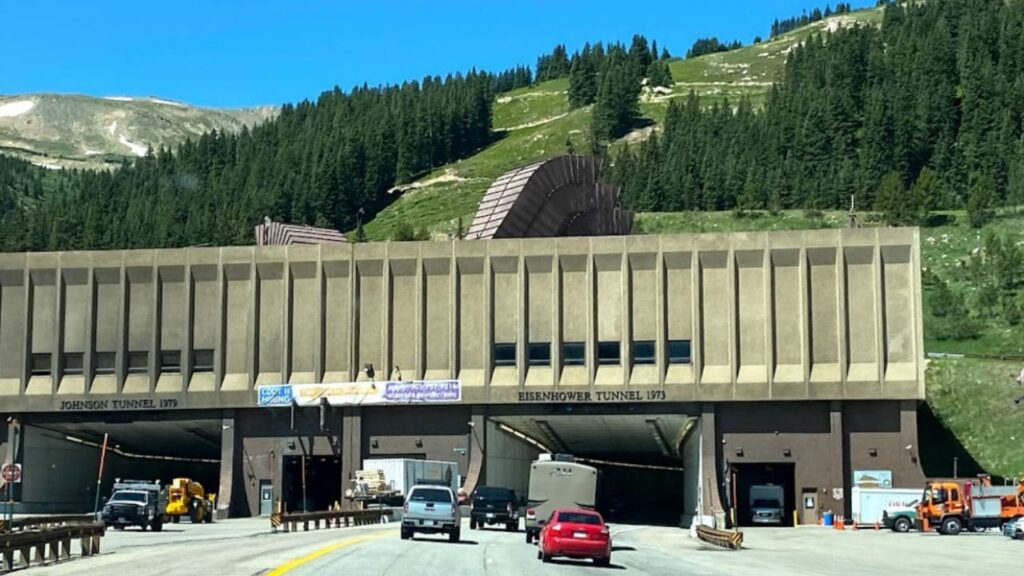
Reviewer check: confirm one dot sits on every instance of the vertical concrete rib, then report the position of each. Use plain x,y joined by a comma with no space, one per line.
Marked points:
121,356
88,370
806,335
879,301
253,329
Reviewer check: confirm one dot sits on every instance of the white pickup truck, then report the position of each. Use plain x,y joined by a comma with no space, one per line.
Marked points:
431,509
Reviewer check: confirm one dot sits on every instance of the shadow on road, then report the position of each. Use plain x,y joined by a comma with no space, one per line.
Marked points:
623,549
567,562
444,541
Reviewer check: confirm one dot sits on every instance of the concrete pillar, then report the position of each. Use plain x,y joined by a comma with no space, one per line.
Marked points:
476,472
840,468
713,473
228,439
351,448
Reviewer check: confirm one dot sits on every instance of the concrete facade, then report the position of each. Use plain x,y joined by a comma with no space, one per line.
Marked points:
802,342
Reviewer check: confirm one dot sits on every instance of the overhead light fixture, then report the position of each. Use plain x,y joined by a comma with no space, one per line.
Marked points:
374,443
873,452
739,451
419,442
787,453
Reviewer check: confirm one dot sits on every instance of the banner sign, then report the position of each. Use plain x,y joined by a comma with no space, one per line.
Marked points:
361,393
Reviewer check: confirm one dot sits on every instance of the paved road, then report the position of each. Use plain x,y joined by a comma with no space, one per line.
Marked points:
246,548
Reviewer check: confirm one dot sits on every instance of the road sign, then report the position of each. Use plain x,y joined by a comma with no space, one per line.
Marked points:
11,473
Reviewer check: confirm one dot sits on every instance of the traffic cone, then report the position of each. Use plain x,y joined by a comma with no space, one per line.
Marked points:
924,525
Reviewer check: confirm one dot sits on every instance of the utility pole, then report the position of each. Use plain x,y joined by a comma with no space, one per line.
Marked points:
851,216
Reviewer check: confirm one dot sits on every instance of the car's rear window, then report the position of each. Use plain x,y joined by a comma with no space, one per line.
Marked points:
431,495
579,518
766,504
493,493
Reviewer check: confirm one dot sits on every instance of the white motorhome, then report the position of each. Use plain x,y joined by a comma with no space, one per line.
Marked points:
557,482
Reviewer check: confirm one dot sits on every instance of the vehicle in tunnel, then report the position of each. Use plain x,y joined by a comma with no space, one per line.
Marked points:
762,494
557,484
576,534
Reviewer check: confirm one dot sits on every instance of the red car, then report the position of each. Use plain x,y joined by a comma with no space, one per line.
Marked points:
576,534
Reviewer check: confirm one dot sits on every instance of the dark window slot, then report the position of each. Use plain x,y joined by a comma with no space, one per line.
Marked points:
540,354
609,352
40,364
574,354
679,352
504,354
138,362
202,361
644,352
104,362
74,362
170,361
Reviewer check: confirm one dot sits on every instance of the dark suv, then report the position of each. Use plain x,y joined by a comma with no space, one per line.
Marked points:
493,505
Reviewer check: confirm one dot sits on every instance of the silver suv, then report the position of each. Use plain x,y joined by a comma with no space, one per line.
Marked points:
431,509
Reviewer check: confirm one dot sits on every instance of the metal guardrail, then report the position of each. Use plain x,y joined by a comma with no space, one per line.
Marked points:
340,519
35,522
51,544
720,538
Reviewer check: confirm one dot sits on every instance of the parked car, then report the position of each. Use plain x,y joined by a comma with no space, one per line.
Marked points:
575,533
1014,529
431,509
491,505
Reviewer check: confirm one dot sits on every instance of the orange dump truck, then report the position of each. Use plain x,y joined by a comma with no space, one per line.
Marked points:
950,507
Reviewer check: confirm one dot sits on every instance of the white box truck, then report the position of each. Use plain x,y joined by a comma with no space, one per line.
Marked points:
869,503
401,474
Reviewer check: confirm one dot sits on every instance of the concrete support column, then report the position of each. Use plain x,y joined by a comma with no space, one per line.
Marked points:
351,448
840,469
476,473
13,453
712,467
911,473
228,439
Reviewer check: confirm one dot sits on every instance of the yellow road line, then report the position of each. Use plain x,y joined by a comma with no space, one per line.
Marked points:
293,564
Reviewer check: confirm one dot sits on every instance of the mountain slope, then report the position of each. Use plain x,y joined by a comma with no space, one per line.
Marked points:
72,131
537,123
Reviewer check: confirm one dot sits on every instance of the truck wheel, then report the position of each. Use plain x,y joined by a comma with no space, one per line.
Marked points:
405,534
158,524
175,519
472,523
951,526
901,525
512,526
454,535
529,537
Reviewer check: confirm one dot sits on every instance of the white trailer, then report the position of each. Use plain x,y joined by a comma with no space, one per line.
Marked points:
868,503
401,474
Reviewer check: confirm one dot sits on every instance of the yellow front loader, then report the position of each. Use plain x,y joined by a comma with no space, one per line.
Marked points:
186,497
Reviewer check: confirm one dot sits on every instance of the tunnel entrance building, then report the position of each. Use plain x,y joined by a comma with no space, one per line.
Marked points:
669,361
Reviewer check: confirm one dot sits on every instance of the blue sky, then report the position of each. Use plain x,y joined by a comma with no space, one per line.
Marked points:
244,53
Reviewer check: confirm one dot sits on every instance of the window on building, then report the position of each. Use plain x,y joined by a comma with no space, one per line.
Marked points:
643,352
679,352
540,354
74,362
104,362
609,352
40,363
170,361
202,361
138,362
504,354
574,354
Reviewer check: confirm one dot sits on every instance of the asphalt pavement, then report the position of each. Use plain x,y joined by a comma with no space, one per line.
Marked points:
247,548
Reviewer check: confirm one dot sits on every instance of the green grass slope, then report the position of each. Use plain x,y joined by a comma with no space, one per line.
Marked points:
535,123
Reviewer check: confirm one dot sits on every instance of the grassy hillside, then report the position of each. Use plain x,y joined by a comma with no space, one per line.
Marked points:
535,123
71,131
973,399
